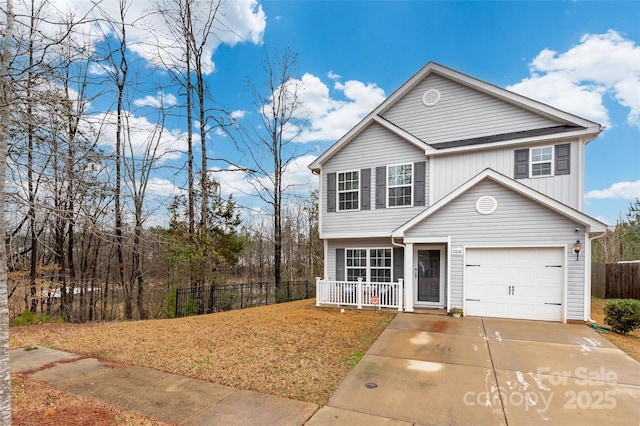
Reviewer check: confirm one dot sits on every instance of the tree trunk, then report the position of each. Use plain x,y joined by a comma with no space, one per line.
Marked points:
5,117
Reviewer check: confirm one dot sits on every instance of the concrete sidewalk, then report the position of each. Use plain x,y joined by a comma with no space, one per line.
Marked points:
164,396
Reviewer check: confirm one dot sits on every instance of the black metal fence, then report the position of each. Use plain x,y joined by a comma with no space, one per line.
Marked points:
216,298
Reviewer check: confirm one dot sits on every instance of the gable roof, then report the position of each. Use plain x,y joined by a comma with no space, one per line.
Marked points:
592,224
570,124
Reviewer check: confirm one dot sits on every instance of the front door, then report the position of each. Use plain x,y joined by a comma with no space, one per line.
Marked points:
429,276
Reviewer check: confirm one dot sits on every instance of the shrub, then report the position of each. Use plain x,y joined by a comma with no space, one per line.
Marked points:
26,317
623,315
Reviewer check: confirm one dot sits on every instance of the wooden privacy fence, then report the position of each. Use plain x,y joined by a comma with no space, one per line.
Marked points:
616,280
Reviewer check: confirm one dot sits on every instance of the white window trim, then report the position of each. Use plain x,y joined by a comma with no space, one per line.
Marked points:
552,161
398,186
368,266
338,192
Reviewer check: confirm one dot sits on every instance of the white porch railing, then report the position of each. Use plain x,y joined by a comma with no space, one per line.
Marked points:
360,293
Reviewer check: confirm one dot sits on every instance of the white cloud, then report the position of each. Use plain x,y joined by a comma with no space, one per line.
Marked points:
624,190
158,101
579,79
296,179
236,22
333,76
331,118
163,187
142,132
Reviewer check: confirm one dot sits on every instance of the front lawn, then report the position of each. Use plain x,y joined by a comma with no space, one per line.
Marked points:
292,350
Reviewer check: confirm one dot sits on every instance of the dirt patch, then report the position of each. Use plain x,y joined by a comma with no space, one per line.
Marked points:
293,350
629,343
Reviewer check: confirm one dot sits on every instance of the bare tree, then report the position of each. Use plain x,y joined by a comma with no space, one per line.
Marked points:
271,145
5,117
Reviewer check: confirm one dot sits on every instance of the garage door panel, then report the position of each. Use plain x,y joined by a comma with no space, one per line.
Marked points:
515,282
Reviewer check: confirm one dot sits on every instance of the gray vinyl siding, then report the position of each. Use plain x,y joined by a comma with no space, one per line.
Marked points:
518,221
451,171
330,260
461,113
374,147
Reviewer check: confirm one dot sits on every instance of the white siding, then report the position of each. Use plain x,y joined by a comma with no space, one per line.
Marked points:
461,113
375,146
330,260
517,221
450,171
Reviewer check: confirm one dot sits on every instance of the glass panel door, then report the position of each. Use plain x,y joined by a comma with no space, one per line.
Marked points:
429,283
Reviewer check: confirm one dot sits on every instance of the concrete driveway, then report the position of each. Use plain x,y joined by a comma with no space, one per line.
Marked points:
436,370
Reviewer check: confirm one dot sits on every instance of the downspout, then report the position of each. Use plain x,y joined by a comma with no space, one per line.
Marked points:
591,239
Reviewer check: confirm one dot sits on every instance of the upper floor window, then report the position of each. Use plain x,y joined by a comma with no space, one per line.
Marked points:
399,183
541,161
348,190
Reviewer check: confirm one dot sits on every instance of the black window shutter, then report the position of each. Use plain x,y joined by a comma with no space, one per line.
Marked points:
521,164
381,187
563,159
340,264
419,183
398,263
331,192
365,189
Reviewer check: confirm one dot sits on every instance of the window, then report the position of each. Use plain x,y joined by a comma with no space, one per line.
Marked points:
348,190
380,260
541,161
399,180
356,264
371,265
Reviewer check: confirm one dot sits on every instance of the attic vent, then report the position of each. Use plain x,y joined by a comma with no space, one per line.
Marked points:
486,204
431,97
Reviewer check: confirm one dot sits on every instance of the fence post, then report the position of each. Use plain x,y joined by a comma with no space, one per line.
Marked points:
176,313
241,295
359,293
400,295
317,291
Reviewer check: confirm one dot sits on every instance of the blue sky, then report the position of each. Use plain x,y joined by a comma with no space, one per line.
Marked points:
582,57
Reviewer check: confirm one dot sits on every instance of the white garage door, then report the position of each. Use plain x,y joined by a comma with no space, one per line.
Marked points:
521,283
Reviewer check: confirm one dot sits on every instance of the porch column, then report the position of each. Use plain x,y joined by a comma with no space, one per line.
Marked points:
408,277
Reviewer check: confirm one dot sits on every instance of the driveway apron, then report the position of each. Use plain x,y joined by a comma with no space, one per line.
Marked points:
437,370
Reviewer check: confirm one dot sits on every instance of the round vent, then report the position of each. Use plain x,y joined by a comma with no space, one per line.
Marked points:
486,204
431,97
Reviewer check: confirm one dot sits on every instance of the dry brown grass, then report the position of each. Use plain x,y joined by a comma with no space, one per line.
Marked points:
35,403
293,350
630,343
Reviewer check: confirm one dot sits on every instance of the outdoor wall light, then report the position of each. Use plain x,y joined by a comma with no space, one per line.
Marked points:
577,248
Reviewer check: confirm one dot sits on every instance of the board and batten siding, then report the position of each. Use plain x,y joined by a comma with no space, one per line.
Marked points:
450,171
517,221
461,113
374,147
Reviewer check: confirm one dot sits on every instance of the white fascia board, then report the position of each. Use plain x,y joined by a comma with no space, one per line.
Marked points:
515,142
579,217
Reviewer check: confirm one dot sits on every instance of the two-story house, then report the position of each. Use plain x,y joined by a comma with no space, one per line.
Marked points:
455,193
